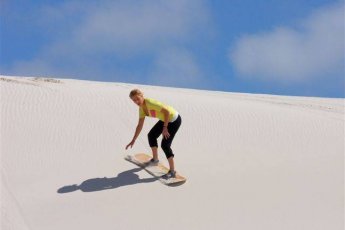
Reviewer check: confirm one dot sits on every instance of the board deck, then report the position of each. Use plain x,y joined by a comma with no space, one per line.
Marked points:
156,171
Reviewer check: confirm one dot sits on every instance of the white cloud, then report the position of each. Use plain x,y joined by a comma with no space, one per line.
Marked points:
314,50
83,34
129,26
124,27
177,68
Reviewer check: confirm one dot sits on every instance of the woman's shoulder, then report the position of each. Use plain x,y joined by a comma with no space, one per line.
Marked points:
149,99
152,101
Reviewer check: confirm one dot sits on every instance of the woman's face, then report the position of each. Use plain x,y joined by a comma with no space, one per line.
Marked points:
137,99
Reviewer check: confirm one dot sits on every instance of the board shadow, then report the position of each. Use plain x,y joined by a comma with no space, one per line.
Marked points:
99,184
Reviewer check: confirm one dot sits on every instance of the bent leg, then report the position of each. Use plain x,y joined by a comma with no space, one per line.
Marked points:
154,133
166,143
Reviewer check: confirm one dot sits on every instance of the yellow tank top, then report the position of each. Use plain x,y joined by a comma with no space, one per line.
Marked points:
154,108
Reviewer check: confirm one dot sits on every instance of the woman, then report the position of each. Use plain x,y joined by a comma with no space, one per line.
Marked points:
168,124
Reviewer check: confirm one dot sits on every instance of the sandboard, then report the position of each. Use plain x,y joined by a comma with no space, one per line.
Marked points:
157,171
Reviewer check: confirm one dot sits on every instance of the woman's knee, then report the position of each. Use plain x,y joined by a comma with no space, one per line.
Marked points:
152,140
165,146
150,135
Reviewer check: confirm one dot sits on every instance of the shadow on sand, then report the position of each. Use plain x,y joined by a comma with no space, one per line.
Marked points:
98,184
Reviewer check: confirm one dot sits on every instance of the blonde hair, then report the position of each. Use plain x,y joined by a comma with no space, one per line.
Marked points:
135,92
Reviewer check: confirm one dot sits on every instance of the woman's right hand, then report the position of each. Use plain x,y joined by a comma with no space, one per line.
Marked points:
130,144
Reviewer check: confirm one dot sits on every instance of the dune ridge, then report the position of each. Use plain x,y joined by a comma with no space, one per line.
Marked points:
253,161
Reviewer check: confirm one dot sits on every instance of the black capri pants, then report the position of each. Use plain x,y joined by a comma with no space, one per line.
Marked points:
157,130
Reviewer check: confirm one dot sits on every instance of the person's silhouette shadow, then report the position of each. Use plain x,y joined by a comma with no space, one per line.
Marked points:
98,184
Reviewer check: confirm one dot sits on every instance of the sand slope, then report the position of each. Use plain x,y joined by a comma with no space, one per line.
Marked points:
252,161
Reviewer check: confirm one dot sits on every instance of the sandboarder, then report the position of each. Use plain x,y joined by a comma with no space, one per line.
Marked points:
168,124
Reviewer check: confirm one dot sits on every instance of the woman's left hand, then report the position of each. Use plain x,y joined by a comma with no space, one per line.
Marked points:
165,133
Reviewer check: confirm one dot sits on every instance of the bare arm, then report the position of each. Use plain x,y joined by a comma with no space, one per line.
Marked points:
166,116
139,128
137,132
166,121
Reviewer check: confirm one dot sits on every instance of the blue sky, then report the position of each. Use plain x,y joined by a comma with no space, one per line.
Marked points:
293,47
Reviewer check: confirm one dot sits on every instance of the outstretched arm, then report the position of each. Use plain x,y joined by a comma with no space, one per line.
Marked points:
139,128
137,132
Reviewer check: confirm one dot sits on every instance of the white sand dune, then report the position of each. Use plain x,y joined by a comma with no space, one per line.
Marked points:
252,161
